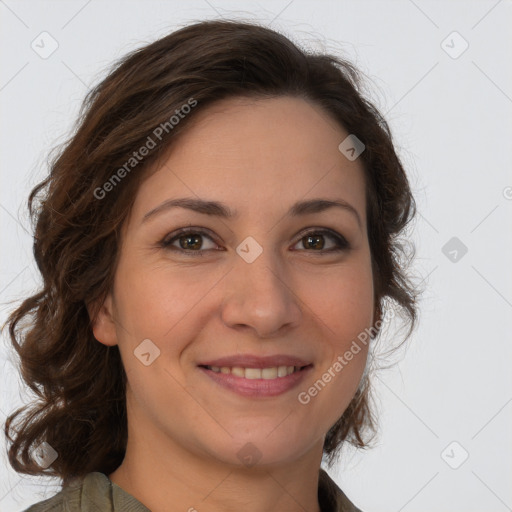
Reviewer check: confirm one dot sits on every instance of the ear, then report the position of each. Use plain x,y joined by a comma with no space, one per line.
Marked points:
102,321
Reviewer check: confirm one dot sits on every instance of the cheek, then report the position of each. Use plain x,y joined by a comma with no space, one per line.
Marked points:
343,300
344,306
346,311
153,301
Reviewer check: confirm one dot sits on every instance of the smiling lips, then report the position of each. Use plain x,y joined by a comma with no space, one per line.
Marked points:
273,372
251,361
255,367
257,376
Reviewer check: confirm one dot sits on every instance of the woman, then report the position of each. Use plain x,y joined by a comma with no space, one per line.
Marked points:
217,241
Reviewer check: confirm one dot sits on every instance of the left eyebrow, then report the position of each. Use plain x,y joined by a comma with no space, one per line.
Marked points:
215,208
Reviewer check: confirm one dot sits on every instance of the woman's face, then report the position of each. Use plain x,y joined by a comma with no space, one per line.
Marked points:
266,282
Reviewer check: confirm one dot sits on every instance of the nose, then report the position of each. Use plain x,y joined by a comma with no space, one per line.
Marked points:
259,296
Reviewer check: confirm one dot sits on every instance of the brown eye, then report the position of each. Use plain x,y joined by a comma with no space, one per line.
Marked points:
189,240
315,241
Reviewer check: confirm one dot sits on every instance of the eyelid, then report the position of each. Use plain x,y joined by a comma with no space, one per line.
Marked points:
341,243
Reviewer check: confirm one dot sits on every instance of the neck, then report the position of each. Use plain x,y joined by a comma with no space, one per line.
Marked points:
158,471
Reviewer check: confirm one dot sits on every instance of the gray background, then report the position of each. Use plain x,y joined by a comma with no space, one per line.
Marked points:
451,119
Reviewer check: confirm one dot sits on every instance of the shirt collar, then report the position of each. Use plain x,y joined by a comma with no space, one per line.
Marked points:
330,497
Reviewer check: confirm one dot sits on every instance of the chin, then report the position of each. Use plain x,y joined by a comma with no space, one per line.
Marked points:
261,449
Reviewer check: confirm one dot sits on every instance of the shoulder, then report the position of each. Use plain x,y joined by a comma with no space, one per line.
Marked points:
87,495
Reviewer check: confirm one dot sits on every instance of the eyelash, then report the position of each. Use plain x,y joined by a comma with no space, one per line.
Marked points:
342,244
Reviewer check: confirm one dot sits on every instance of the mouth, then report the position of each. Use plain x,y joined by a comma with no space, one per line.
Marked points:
256,382
270,373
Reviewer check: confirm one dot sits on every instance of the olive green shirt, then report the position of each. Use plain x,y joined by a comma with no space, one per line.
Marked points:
96,493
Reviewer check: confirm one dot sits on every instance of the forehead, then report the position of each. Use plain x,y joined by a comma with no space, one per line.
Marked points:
257,153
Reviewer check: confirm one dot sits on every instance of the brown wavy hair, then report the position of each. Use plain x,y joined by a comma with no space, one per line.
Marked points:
79,408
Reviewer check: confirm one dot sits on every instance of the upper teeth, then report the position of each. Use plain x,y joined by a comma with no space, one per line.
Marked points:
257,373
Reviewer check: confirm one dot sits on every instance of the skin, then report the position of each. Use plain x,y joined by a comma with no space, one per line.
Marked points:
184,431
